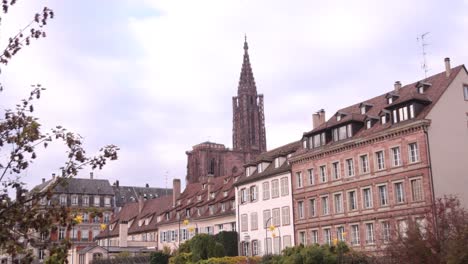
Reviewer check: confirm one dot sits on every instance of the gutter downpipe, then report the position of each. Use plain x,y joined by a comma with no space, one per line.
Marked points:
425,129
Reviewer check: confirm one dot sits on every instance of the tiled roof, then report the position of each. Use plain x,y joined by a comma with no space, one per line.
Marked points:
270,156
189,199
126,194
84,186
438,84
130,211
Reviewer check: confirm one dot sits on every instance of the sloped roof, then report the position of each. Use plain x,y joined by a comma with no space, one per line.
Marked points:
78,186
128,194
439,83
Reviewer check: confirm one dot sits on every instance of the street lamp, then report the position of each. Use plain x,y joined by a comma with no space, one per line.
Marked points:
103,227
78,219
272,229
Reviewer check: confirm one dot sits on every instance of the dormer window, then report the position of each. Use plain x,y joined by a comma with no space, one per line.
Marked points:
187,212
364,107
318,140
368,124
166,216
403,113
226,180
212,195
390,100
277,162
422,86
259,168
189,201
383,119
225,193
199,197
304,144
342,132
203,186
338,118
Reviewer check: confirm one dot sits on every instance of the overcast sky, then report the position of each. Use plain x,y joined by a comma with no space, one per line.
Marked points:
157,77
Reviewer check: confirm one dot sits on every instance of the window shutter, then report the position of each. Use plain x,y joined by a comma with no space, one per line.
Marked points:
259,248
256,192
247,190
239,198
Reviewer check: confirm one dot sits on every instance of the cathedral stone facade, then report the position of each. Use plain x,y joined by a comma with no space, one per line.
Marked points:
248,139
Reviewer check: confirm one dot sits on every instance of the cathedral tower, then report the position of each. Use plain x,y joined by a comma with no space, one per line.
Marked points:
248,117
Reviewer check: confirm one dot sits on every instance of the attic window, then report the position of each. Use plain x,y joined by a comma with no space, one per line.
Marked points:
225,193
338,118
212,195
383,119
421,89
363,109
390,100
259,168
199,198
189,200
204,186
277,162
226,180
368,124
167,216
304,144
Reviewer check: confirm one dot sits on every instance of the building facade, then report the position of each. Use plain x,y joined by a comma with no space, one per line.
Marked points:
371,168
264,204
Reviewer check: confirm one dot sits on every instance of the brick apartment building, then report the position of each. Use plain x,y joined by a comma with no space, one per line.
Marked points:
372,166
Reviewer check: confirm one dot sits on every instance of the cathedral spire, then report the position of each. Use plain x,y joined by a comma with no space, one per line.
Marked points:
246,80
248,117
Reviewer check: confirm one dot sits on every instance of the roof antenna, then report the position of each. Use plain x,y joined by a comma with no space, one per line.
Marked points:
424,66
165,175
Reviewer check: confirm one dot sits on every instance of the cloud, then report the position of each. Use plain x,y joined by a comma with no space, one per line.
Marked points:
157,77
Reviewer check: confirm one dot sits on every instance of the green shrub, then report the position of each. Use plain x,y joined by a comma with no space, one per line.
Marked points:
159,257
229,241
181,258
232,260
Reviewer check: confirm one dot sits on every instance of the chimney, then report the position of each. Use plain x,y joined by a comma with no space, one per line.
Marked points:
140,203
397,86
123,233
117,183
53,175
318,118
175,191
209,180
147,185
447,67
43,180
91,176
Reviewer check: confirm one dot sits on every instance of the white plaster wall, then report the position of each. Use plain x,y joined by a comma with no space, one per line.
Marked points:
260,205
448,141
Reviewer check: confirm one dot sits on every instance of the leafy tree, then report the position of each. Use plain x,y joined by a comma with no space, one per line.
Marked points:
202,246
228,239
20,137
442,238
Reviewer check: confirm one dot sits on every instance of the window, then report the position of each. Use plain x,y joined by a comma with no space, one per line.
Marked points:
338,203
266,190
298,179
266,218
336,170
253,193
350,167
210,208
368,124
352,200
300,209
314,235
63,200
403,227
184,234
254,247
411,111
312,208
85,217
96,200
390,100
302,238
385,231
355,235
364,163
107,201
253,221
277,162
61,233
276,220
285,218
244,223
403,113
379,155
84,234
325,209
284,186
338,118
342,132
383,195
367,196
41,254
323,173
370,233
243,195
399,192
223,209
74,200
259,168
310,173
416,190
96,233
363,109
383,119
274,188
286,241
327,236
340,233
465,92
106,218
413,153
396,154
74,233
